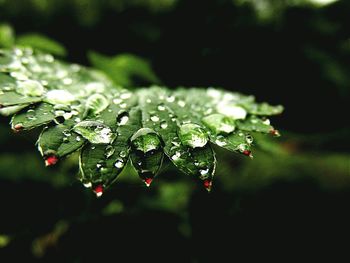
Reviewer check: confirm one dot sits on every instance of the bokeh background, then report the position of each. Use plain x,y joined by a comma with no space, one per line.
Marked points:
292,200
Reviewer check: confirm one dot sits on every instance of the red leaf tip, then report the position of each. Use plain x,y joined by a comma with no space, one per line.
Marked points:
275,133
208,184
51,160
148,181
18,127
98,190
248,153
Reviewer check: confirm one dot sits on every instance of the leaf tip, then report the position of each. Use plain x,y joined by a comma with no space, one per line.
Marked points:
51,160
17,127
98,190
248,153
275,133
208,184
148,181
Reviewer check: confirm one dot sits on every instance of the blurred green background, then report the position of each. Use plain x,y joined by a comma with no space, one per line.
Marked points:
291,200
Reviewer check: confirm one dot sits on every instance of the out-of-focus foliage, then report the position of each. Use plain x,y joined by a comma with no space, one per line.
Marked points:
125,69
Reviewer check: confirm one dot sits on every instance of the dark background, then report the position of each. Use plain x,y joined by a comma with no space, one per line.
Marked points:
292,200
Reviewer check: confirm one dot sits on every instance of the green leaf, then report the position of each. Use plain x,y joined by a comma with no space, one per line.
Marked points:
42,43
81,109
124,69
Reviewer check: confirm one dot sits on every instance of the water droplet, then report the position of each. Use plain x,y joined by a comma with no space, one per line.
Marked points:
126,95
154,118
30,88
119,163
249,139
31,115
87,185
123,118
219,123
176,156
181,103
59,97
221,141
214,93
94,87
123,105
145,140
148,100
161,107
163,125
96,103
49,58
231,110
77,119
19,75
67,81
193,135
95,132
117,101
67,132
59,119
109,151
78,138
123,154
170,99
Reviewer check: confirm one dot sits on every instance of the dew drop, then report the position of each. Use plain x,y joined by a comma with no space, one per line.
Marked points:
109,151
161,107
163,125
122,154
219,123
231,110
117,101
145,140
193,135
30,88
170,99
176,156
87,185
67,81
95,132
123,118
154,118
59,97
119,163
181,103
96,103
220,140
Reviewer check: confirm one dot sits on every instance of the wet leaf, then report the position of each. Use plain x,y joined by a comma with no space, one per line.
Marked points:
81,109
